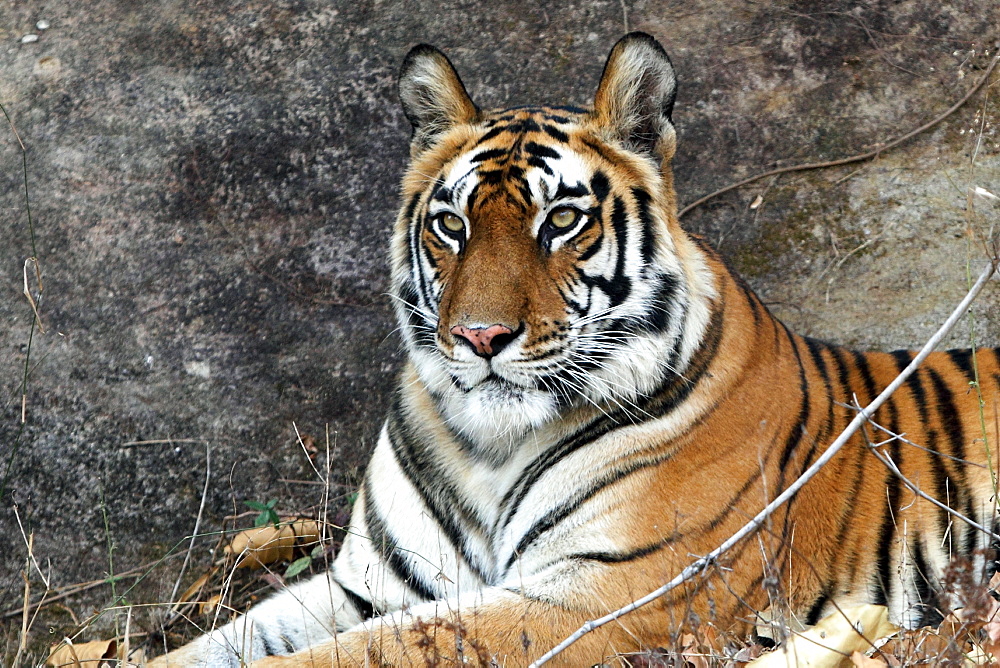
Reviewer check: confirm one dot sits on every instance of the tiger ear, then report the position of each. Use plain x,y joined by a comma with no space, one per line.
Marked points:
434,99
635,98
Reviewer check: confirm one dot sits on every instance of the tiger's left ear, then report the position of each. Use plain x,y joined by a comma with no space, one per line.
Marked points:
635,98
434,99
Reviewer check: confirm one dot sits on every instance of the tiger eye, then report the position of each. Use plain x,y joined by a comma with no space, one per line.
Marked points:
452,223
563,217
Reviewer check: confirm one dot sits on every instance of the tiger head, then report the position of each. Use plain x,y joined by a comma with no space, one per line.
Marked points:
538,264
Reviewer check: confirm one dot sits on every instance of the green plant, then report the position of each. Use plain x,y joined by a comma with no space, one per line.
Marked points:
267,513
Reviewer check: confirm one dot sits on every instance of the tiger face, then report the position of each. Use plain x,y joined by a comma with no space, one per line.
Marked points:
534,268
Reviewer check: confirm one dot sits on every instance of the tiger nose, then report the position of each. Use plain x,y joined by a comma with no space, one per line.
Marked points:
486,341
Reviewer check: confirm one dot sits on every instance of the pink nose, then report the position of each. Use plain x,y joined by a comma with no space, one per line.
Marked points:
486,341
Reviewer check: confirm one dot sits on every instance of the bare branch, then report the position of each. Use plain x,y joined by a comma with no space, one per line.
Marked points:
854,158
863,416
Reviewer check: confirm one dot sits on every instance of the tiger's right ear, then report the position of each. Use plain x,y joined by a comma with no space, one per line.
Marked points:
434,99
635,98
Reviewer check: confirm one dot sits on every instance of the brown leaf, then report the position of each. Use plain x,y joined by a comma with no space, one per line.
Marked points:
208,607
191,592
96,654
309,445
692,652
257,547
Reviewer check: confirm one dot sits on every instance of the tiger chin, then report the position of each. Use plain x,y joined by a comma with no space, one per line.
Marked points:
591,397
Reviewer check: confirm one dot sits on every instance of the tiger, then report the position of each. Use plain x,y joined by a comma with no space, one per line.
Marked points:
592,398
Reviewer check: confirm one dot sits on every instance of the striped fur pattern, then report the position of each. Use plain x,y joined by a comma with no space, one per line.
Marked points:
592,397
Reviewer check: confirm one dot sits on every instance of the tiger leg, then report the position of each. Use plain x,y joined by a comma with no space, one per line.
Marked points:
506,628
301,616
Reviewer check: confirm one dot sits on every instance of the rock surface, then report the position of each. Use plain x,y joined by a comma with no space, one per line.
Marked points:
212,186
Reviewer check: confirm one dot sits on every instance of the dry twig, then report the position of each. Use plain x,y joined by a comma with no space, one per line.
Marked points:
854,158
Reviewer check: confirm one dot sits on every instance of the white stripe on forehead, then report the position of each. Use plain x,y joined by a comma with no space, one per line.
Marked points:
569,168
462,178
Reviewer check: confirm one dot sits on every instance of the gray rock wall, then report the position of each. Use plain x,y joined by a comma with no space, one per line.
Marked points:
212,186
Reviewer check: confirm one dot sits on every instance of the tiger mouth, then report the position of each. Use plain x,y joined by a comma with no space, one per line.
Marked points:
497,386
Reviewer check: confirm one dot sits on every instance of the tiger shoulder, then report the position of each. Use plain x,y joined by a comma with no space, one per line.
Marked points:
592,396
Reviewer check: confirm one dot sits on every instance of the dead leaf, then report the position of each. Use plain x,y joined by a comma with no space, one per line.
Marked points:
862,661
692,652
96,654
192,592
836,636
757,201
208,607
257,547
747,654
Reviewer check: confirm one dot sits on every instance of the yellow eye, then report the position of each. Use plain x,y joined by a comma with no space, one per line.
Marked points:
563,217
452,223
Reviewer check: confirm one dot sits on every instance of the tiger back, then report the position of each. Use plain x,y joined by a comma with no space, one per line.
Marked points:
592,397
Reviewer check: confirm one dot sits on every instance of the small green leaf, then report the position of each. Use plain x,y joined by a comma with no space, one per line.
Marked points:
298,566
351,498
317,552
266,510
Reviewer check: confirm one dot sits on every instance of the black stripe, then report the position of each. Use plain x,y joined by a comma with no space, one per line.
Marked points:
363,605
929,614
597,148
887,532
385,544
540,150
411,206
963,360
600,185
971,533
564,510
489,154
816,349
730,506
798,431
861,362
564,191
555,132
903,359
916,388
540,164
555,118
950,421
848,511
621,557
657,319
269,649
592,249
442,193
648,245
423,334
494,132
620,286
816,609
